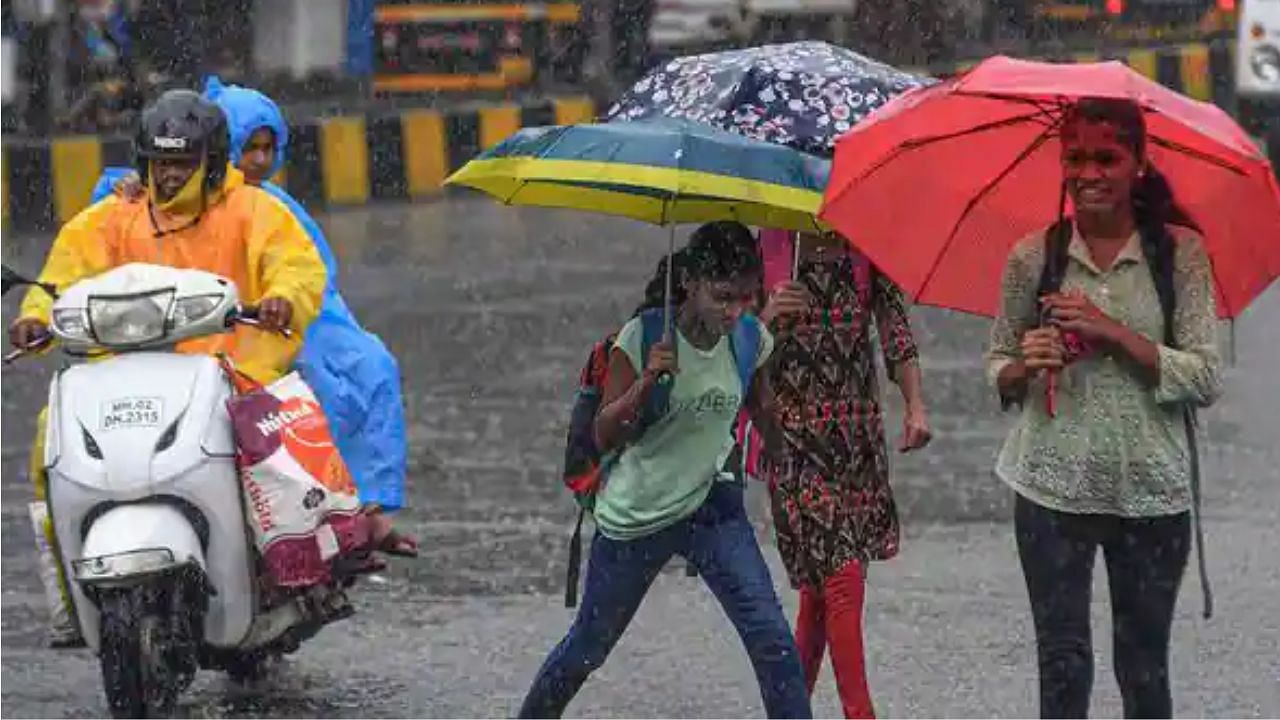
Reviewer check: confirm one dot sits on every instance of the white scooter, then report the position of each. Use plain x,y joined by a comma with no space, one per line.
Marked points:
144,493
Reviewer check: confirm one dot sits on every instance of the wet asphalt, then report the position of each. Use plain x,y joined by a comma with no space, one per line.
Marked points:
490,311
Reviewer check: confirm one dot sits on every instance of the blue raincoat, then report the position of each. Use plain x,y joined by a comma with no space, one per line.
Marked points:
354,376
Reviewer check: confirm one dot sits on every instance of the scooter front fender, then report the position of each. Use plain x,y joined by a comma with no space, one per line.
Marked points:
127,545
129,541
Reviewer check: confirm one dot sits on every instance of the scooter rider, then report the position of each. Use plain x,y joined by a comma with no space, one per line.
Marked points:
354,376
198,213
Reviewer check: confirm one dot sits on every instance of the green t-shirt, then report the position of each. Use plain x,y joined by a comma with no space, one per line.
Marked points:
666,474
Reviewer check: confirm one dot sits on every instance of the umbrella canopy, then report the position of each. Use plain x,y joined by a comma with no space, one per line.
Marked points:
938,185
803,95
662,171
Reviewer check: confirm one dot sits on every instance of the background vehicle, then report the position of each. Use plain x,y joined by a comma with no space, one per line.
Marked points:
457,45
1258,71
692,25
1134,20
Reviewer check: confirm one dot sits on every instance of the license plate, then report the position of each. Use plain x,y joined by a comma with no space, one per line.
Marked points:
131,413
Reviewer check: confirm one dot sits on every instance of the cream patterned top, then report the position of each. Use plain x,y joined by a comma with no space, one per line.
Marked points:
1117,445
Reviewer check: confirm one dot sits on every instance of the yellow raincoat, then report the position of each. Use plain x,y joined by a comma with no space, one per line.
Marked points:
245,235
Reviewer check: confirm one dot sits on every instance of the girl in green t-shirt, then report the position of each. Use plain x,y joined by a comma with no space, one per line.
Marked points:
666,495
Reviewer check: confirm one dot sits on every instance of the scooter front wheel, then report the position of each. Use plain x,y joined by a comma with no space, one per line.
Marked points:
135,654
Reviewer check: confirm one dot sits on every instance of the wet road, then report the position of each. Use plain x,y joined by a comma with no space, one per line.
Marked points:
490,311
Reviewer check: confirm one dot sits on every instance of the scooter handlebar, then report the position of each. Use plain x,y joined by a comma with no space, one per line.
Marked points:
246,315
40,343
250,315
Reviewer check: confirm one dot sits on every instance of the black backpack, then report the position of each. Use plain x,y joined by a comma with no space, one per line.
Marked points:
1160,259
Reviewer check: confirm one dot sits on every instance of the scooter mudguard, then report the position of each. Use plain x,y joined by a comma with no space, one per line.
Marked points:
130,542
130,545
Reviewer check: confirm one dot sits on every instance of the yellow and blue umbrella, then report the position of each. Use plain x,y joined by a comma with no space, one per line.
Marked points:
662,171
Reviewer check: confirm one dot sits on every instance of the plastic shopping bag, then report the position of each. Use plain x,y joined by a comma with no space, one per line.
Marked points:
300,499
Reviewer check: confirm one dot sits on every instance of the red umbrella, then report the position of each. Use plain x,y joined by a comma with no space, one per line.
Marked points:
939,184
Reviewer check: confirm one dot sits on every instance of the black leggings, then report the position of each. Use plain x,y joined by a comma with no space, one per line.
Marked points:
1145,558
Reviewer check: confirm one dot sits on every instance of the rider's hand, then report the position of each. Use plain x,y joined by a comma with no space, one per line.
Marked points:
275,313
662,359
25,332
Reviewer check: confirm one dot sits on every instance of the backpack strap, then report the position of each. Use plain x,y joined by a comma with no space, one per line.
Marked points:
650,331
745,342
574,570
1160,257
1193,451
659,402
1057,245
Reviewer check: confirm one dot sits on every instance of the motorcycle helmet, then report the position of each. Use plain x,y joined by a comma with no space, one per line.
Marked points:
182,124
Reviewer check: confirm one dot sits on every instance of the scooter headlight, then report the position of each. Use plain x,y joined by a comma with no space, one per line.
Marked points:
193,309
71,324
128,320
1265,62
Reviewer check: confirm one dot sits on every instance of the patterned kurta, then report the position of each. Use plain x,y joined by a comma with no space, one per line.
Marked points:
830,485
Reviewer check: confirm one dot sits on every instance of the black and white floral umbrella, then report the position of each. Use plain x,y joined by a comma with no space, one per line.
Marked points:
803,95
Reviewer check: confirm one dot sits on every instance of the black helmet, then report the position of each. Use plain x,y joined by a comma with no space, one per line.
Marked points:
182,124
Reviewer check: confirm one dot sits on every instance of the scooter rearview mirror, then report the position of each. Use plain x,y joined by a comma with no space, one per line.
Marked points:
12,278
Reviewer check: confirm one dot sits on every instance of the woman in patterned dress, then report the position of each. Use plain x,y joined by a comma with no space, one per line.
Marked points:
832,507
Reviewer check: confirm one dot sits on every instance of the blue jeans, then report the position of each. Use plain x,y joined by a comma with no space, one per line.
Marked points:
719,541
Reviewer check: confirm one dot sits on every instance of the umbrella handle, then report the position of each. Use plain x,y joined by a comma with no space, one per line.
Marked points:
668,312
1051,393
795,256
1051,376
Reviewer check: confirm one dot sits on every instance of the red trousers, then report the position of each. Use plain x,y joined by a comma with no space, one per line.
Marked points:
832,615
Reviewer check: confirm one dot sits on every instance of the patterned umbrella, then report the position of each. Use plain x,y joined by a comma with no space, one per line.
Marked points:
803,95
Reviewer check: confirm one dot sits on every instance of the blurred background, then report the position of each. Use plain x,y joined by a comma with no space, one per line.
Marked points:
88,66
491,310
